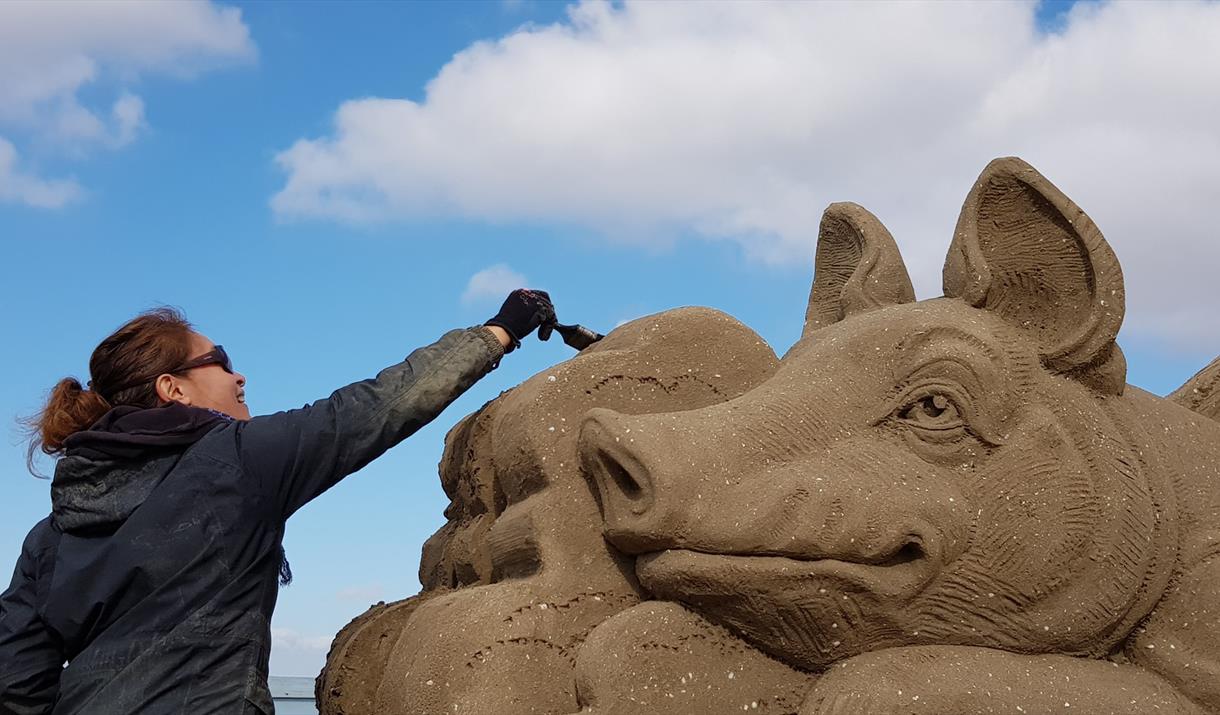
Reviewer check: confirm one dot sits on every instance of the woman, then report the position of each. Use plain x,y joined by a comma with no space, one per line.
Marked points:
155,576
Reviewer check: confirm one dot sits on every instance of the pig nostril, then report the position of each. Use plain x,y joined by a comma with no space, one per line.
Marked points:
910,551
621,477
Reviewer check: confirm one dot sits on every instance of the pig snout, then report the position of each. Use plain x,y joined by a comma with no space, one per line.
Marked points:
665,482
623,478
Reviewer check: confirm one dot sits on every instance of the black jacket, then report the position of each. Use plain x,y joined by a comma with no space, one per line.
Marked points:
155,576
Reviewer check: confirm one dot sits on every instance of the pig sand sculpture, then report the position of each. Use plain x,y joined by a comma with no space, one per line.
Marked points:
948,506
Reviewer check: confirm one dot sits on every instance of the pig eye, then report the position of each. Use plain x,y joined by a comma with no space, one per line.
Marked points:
932,412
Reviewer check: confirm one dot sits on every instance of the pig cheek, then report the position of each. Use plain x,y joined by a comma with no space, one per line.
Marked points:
1035,515
1038,497
945,471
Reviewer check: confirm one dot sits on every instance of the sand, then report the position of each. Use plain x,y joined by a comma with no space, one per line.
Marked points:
955,505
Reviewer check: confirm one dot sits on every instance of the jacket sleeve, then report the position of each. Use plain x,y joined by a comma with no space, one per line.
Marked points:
31,658
299,454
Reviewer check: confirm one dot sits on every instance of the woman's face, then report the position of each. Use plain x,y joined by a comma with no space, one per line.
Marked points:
208,386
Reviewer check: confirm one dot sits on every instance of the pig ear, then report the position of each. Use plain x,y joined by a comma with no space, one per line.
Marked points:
858,268
1025,251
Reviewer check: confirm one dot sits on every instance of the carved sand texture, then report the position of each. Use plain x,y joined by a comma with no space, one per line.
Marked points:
358,657
523,544
1201,393
669,659
949,506
957,680
457,555
857,268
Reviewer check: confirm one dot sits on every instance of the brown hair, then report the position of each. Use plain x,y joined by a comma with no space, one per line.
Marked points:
123,369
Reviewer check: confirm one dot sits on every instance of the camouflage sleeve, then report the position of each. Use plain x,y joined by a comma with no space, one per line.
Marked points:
298,454
31,659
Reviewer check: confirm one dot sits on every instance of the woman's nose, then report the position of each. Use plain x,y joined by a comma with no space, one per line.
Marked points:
241,379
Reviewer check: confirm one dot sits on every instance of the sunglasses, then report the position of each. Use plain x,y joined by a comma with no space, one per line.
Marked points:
215,356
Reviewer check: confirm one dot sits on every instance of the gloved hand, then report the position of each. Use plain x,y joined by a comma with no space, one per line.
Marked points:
523,312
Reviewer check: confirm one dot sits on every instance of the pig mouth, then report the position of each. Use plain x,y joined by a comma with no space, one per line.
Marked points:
899,572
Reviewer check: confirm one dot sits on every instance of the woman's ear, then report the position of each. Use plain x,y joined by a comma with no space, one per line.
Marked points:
169,389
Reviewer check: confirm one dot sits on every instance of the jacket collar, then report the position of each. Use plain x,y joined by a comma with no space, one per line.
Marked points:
128,432
109,469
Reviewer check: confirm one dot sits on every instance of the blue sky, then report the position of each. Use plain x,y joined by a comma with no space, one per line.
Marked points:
251,183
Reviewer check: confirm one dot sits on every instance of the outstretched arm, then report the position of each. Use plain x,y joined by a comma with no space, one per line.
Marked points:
298,454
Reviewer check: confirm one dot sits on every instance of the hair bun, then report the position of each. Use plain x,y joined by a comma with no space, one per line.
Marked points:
70,408
149,344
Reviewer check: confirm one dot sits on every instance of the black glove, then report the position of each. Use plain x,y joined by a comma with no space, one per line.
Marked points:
523,312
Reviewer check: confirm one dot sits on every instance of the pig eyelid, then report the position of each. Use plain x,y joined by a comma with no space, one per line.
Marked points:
956,397
937,388
954,374
938,401
937,396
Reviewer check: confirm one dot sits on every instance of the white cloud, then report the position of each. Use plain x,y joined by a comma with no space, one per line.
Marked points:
50,51
298,654
128,113
19,187
742,121
493,282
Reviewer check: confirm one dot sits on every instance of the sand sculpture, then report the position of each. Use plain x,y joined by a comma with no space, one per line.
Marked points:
948,506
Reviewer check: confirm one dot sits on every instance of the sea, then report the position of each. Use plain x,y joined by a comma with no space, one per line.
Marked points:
292,696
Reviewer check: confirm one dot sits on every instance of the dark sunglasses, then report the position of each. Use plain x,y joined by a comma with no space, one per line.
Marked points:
215,356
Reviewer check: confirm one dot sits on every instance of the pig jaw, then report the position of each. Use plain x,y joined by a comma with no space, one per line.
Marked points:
806,613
